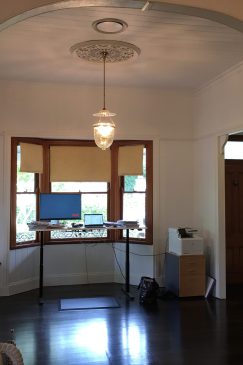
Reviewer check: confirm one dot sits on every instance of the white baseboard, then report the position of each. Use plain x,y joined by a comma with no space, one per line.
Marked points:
70,279
77,279
4,291
22,286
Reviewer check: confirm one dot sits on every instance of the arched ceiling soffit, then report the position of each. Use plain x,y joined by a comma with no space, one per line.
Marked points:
228,12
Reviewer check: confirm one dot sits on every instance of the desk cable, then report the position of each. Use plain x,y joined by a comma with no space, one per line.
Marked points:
86,263
114,249
139,254
117,262
86,258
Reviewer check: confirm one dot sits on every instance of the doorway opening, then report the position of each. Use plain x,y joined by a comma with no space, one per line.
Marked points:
234,214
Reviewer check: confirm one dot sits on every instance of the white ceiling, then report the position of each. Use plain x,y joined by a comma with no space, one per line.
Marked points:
177,51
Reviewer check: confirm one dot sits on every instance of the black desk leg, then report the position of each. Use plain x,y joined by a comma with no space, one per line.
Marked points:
127,283
41,269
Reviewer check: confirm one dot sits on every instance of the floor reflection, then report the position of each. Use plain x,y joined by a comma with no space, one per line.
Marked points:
134,341
88,339
176,332
102,340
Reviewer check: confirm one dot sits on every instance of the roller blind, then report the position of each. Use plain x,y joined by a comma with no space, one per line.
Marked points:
130,160
31,157
77,163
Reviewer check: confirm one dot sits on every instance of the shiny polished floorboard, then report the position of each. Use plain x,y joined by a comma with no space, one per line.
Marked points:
174,332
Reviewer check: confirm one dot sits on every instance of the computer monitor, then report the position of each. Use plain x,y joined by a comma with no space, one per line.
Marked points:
60,206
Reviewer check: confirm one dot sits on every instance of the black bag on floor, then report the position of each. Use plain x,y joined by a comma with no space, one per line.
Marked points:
148,290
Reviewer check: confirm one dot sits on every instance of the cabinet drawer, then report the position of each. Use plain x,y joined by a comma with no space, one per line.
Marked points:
192,265
192,285
185,275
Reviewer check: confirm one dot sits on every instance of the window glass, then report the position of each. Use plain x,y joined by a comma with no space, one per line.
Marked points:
134,210
134,197
94,203
135,183
25,212
25,180
134,207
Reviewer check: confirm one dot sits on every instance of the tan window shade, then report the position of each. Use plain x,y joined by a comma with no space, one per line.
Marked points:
75,163
130,160
31,157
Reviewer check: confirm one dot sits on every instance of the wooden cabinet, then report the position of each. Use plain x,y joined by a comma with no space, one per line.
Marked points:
185,274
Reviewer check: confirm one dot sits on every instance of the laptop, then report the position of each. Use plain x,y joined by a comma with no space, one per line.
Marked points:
93,220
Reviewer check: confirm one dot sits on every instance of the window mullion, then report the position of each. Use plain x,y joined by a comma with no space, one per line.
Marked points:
14,145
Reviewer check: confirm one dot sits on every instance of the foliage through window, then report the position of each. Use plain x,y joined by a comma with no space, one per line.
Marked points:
25,203
134,200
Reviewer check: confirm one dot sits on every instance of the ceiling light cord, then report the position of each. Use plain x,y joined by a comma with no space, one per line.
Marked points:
104,54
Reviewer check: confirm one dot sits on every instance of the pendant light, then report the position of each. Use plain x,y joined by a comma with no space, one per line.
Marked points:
105,51
104,129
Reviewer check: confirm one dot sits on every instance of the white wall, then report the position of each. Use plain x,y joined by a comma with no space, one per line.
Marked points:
219,111
65,111
205,197
75,264
219,105
56,109
176,189
187,177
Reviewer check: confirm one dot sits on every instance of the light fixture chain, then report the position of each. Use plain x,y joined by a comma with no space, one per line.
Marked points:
104,57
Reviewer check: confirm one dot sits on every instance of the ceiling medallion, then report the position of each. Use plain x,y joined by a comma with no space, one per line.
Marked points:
116,51
109,25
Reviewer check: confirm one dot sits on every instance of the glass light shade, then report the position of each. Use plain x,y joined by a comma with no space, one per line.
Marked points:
104,129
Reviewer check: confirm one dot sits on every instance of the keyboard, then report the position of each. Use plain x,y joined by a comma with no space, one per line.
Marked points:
94,226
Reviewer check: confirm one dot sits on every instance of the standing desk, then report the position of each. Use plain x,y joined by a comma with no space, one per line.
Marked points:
42,230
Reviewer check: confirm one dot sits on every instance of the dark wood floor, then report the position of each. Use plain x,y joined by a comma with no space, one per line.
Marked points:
175,332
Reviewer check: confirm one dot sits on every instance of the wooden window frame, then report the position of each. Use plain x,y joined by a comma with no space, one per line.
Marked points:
114,195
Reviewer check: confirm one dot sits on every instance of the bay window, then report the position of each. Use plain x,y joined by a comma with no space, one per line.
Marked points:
110,182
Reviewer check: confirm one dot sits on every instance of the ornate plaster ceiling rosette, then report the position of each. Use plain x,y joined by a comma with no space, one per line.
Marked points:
116,51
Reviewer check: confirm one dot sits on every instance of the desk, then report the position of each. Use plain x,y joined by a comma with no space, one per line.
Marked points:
127,258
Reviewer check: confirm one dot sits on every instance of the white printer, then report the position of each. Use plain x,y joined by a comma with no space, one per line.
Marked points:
183,242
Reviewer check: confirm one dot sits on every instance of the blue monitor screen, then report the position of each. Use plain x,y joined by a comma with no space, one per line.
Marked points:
55,206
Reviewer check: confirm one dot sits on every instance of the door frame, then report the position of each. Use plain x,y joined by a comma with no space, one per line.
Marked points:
221,250
238,138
